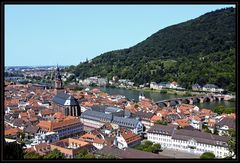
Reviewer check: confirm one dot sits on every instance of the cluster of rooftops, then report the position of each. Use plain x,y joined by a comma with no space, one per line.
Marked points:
111,114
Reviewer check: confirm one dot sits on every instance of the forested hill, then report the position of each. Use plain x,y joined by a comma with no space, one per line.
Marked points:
200,50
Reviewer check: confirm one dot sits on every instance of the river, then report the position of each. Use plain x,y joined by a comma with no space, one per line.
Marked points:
156,96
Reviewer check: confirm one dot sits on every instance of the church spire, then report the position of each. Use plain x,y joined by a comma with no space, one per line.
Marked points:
58,75
58,80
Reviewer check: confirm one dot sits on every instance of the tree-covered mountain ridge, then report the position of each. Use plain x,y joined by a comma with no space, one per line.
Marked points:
201,50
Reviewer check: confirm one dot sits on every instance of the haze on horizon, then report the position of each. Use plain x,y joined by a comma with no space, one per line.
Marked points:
37,35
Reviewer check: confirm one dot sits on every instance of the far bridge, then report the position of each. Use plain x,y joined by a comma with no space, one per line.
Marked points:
193,100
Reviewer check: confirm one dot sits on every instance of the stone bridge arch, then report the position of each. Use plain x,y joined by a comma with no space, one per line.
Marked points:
189,100
196,100
208,99
219,98
162,104
178,101
186,101
174,102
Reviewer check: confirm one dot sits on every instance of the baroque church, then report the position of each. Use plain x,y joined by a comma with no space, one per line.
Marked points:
63,102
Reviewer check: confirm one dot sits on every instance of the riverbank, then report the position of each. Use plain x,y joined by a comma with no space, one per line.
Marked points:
166,91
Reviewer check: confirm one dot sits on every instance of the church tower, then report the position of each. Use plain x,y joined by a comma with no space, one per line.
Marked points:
58,81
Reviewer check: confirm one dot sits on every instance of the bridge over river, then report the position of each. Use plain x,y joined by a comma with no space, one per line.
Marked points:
194,99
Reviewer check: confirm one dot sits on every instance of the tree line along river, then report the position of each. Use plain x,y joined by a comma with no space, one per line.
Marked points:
156,96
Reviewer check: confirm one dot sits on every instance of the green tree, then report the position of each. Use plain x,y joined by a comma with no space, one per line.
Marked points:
32,155
148,146
54,154
156,148
161,122
140,147
232,132
148,143
89,156
148,149
163,91
232,146
221,109
84,154
207,155
232,142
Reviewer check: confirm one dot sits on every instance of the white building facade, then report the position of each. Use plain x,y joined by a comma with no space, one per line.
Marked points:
48,137
195,142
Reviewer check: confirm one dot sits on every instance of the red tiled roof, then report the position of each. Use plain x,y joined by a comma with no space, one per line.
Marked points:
196,118
182,122
186,107
206,111
59,115
29,150
87,104
155,118
47,112
41,147
51,125
88,136
163,112
98,141
11,102
33,119
129,136
45,125
12,131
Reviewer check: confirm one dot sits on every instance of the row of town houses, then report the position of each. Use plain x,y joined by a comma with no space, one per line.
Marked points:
196,87
162,85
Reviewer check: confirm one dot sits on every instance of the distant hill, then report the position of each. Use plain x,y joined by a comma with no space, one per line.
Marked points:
200,50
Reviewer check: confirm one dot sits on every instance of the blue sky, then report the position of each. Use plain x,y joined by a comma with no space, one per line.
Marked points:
67,34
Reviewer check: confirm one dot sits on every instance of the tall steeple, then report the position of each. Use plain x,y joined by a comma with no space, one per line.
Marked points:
58,80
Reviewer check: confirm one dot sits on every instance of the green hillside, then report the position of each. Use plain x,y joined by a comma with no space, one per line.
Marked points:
201,50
